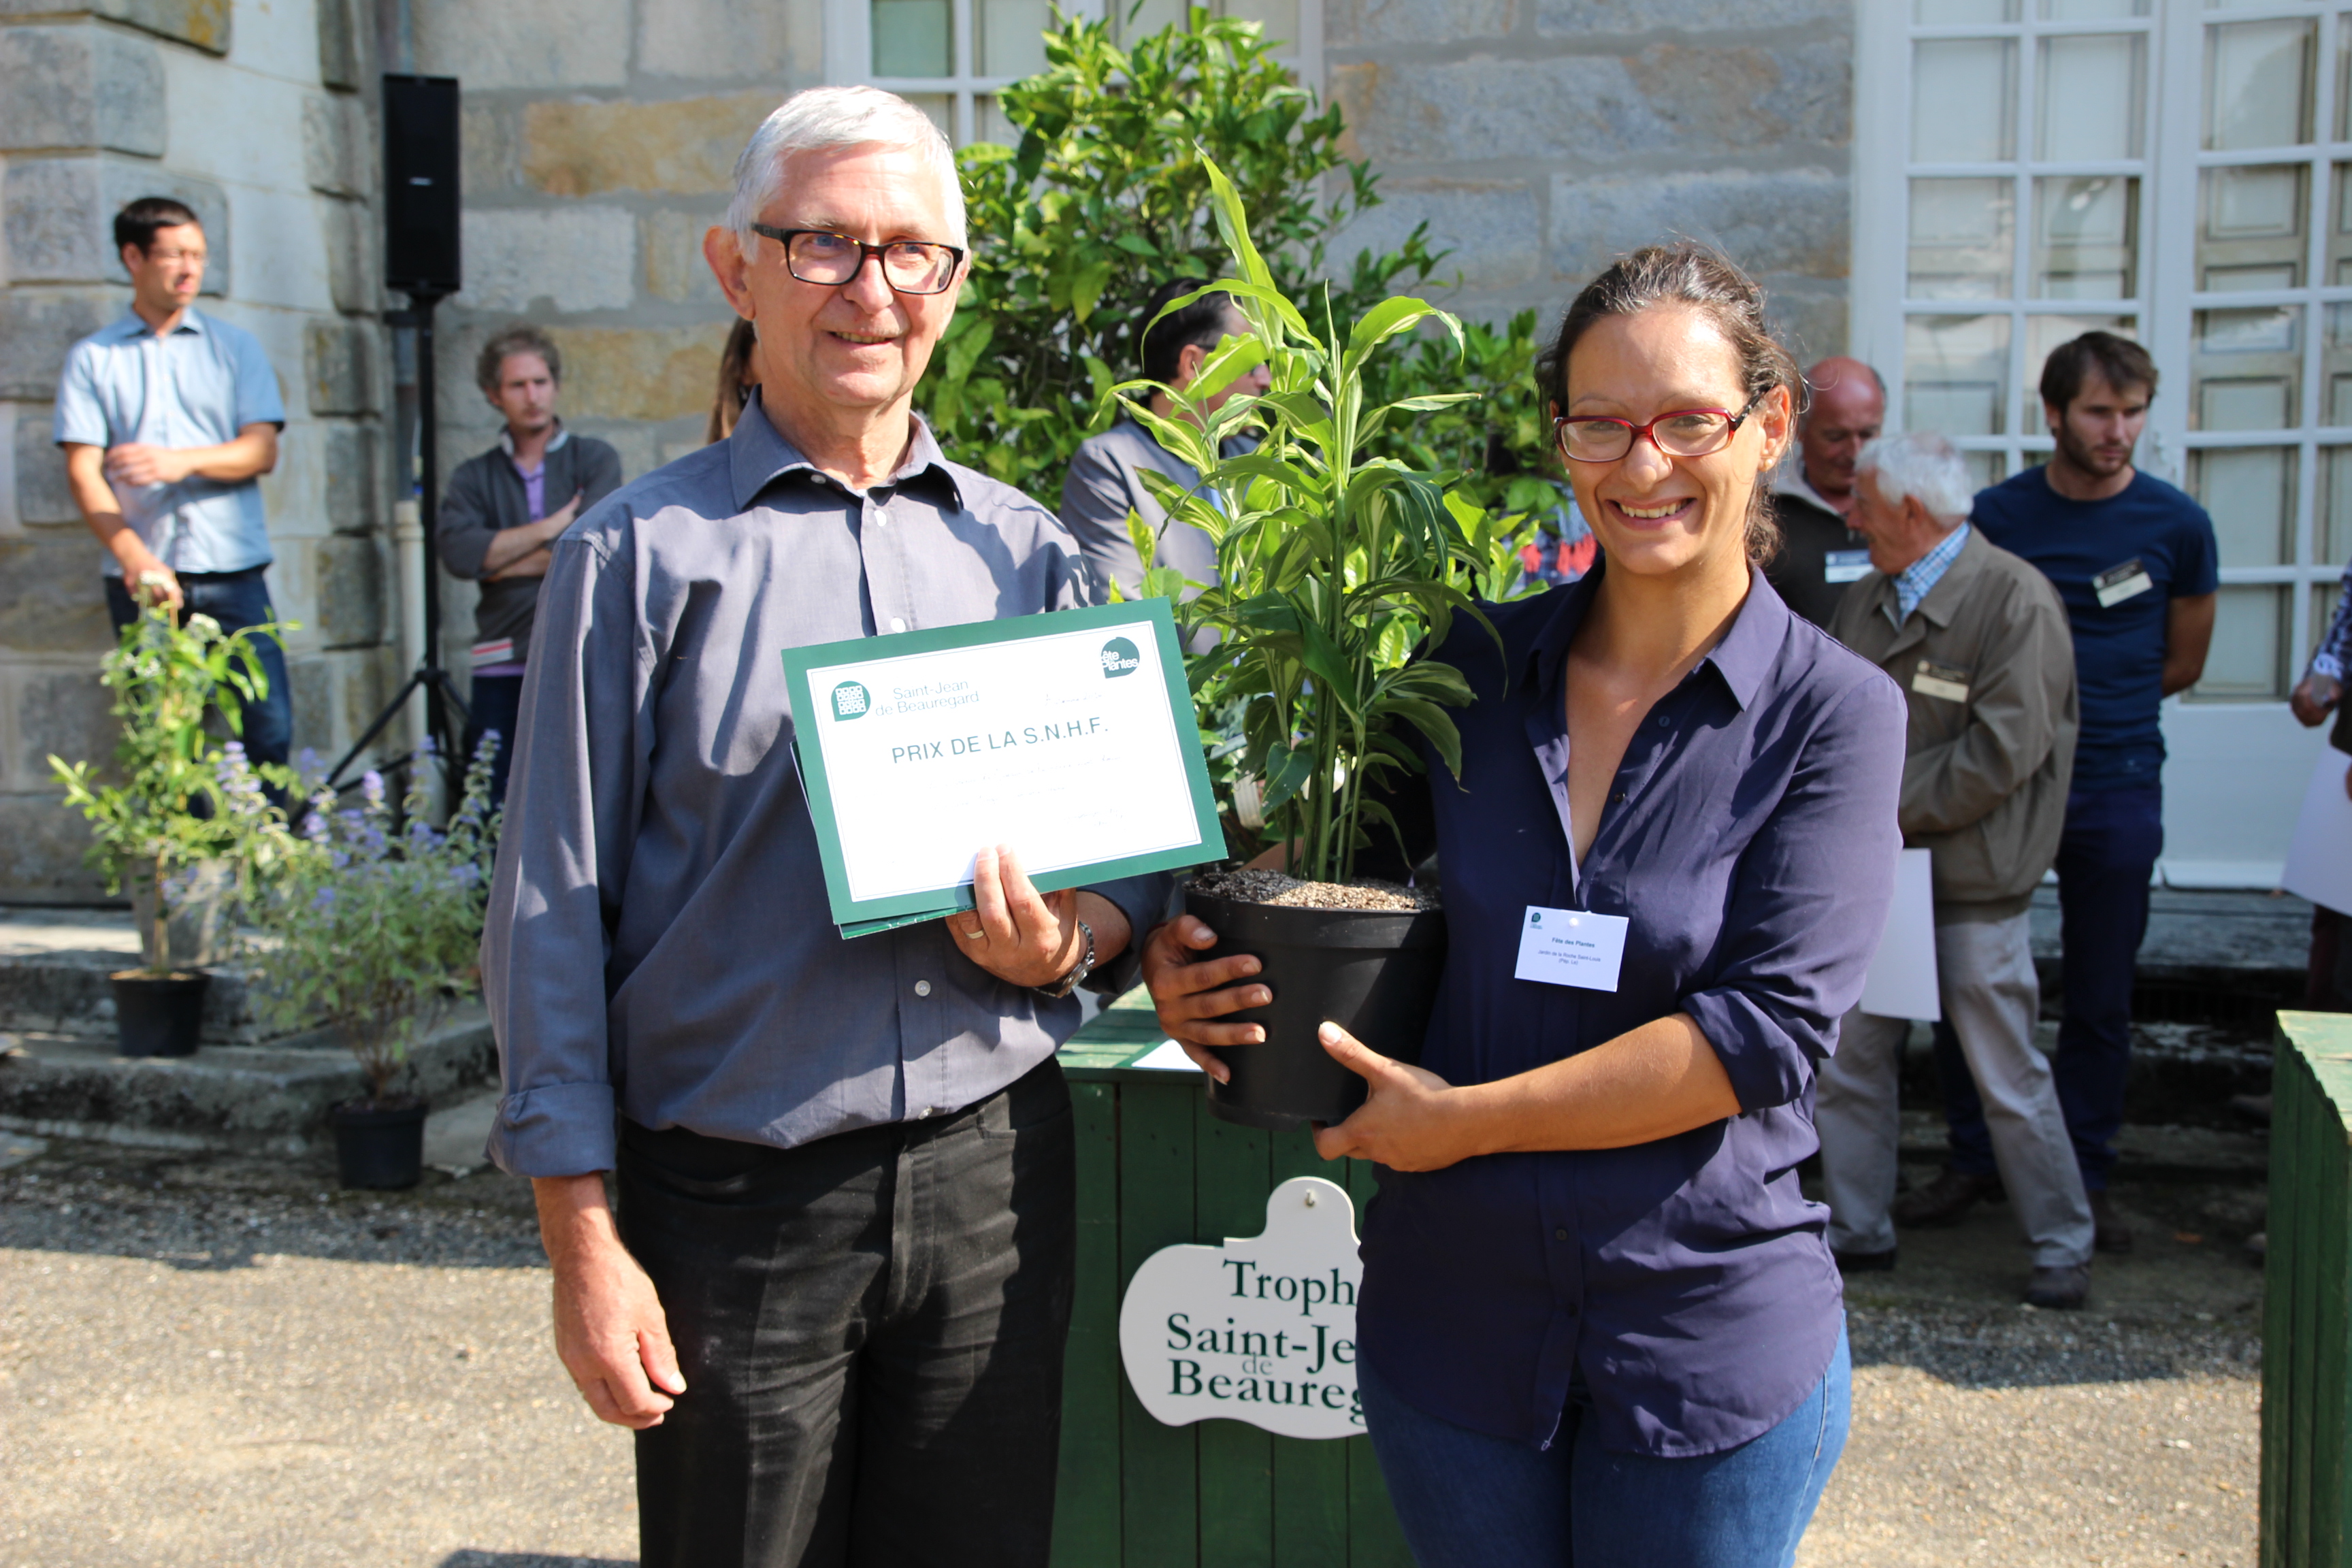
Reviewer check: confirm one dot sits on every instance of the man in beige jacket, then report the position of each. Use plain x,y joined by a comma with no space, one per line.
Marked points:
1978,642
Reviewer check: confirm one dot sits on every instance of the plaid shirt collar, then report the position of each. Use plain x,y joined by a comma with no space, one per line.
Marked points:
1913,582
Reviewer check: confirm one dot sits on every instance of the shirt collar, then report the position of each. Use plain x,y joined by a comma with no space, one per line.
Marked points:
1915,582
506,440
1790,482
134,325
758,455
1740,660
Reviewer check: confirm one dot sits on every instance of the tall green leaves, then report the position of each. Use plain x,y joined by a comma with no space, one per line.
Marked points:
1336,565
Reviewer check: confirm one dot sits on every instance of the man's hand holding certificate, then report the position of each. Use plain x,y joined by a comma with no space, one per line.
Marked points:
1068,737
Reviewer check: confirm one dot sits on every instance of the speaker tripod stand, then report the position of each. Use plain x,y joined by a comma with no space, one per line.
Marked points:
440,692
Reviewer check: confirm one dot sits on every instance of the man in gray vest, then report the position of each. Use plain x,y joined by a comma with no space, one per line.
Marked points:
1980,644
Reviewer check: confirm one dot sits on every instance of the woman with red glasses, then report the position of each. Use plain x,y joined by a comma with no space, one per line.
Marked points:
1600,1324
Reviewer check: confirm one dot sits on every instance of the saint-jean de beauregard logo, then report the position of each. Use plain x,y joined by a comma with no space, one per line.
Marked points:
850,701
1119,658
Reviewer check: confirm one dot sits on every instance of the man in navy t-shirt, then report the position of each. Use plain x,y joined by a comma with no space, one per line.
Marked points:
2134,559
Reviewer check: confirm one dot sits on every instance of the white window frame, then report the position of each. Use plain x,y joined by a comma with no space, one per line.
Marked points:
849,56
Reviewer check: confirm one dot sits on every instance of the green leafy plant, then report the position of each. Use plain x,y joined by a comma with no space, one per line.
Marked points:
1105,198
1336,565
374,927
187,796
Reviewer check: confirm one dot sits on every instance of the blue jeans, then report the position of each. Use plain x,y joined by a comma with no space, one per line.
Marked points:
1469,1501
2105,858
495,703
236,600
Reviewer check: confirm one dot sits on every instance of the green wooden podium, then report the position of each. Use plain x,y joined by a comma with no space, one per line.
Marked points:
2308,1298
1155,1170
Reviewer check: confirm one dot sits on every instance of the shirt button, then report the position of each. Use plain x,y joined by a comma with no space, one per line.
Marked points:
1560,1236
897,623
1662,720
922,988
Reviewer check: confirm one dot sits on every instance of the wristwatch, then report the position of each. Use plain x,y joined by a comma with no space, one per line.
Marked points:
1086,966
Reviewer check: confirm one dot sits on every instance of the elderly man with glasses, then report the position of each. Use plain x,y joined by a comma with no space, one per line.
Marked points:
834,1300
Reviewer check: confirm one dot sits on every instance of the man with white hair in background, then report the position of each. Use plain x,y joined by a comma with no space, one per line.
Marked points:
834,1300
1979,643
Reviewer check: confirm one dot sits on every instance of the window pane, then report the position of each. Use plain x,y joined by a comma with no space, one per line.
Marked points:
2248,366
1280,17
1953,371
1149,17
2248,637
989,123
2092,10
2043,333
939,107
1986,467
1961,13
2332,535
2324,597
2336,361
2249,232
2340,228
2250,490
913,37
1963,244
2258,84
2090,88
2085,237
1964,100
1012,36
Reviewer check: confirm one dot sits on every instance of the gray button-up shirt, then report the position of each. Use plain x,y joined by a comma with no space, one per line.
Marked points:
659,939
1105,479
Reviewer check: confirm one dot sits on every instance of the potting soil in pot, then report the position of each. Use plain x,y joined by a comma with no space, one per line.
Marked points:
1286,891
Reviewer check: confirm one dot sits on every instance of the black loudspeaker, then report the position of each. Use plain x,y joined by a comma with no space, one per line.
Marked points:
420,185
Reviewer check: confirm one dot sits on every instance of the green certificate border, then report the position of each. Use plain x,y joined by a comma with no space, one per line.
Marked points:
1144,616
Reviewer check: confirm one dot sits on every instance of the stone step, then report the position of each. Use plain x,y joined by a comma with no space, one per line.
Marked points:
262,1100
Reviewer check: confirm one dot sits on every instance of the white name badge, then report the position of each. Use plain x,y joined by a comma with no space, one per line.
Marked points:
1845,565
2117,584
1571,947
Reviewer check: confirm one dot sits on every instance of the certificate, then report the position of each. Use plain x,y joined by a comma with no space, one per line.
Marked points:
1068,736
1901,982
2319,856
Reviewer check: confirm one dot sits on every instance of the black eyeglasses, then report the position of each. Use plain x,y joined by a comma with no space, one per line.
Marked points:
1680,433
908,266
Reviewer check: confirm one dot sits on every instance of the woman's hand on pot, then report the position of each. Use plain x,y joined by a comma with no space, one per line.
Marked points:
1189,991
1412,1121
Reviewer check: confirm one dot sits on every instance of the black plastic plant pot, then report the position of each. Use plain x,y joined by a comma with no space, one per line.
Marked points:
1373,973
158,1014
379,1147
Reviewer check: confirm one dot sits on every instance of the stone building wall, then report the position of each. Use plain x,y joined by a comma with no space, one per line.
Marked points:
1540,138
255,112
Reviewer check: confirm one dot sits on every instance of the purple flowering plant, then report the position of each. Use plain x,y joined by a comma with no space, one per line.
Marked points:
375,925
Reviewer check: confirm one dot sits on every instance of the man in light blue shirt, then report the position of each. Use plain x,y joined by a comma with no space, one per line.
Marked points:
169,418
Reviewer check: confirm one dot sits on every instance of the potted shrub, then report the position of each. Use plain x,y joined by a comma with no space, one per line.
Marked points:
1336,567
189,818
375,929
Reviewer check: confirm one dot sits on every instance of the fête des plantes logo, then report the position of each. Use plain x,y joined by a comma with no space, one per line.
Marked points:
1119,658
851,700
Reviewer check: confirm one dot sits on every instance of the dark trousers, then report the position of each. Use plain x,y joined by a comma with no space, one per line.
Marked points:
2105,858
494,705
236,600
871,1329
2327,979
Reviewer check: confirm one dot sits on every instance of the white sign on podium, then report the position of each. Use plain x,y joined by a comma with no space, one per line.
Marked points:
2319,857
1261,1330
1902,979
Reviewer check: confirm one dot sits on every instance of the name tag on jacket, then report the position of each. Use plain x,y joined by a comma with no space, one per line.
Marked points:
2117,584
1845,565
1933,679
1571,947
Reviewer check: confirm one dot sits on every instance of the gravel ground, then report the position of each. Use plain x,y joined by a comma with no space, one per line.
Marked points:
226,1362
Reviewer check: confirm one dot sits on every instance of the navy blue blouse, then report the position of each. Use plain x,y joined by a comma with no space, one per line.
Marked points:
1684,1286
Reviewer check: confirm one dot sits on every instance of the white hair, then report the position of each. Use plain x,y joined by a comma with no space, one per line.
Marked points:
1923,465
827,116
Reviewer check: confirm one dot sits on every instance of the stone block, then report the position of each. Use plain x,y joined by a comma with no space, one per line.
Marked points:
366,678
47,844
351,242
541,259
1585,18
341,50
1491,228
335,144
580,148
354,469
58,214
1674,102
338,362
639,372
721,40
51,598
36,328
1808,314
1368,24
1781,220
204,22
42,494
489,152
80,86
311,688
348,575
673,248
63,713
541,44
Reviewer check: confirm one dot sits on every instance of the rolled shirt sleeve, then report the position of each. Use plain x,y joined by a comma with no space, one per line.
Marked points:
1809,903
257,399
80,416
